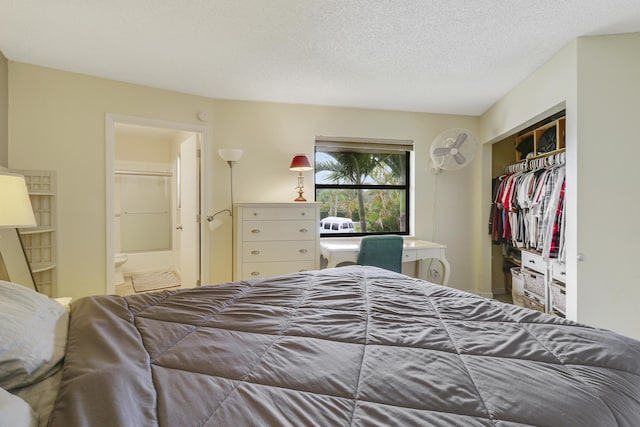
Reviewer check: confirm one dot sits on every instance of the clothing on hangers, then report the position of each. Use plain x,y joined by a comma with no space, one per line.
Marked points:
528,210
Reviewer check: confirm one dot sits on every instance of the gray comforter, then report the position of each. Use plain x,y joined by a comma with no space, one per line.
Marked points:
351,346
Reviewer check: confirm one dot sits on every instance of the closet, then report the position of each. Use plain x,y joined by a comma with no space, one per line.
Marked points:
527,220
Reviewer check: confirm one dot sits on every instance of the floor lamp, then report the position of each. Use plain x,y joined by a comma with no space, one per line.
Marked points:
231,156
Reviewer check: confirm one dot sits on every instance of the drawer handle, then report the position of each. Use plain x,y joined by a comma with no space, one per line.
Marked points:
303,213
255,214
255,273
255,252
255,231
303,251
531,261
303,230
562,273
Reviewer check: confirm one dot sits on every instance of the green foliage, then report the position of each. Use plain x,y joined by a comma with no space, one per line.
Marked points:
383,210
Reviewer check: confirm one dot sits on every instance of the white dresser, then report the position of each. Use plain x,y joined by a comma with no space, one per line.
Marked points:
271,239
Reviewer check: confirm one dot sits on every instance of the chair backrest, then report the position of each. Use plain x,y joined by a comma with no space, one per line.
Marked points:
381,251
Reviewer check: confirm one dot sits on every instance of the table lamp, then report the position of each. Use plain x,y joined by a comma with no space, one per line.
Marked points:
300,163
16,208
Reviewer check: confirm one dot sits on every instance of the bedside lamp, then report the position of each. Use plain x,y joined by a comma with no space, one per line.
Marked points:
231,156
16,209
16,206
300,163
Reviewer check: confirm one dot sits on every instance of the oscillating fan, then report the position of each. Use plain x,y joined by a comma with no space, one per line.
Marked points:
453,149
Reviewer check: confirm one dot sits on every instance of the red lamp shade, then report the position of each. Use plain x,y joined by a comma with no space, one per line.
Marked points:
300,163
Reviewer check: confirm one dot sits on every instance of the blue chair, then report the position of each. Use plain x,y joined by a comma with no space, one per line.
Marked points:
381,251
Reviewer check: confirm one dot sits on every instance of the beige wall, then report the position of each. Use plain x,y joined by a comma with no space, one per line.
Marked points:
608,198
4,110
57,121
549,89
597,80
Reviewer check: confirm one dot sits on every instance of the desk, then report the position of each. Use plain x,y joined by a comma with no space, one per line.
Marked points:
339,250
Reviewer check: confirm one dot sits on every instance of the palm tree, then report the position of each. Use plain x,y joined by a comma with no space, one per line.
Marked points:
351,168
398,166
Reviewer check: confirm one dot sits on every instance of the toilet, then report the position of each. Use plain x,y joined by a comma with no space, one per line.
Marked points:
119,259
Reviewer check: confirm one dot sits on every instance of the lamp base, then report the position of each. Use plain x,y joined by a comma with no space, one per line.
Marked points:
300,198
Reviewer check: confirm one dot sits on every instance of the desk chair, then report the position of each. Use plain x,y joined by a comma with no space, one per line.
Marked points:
381,251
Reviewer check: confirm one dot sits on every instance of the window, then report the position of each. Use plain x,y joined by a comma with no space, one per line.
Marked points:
363,186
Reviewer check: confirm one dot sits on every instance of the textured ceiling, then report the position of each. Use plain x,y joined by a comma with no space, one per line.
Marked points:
443,56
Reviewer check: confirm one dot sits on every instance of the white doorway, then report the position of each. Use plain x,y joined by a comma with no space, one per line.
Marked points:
187,253
188,211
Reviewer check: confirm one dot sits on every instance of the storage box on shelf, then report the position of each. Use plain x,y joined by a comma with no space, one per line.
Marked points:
534,272
275,238
558,298
534,283
558,288
532,303
40,242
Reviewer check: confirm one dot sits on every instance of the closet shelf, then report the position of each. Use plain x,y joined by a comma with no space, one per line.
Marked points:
513,261
536,139
550,153
526,164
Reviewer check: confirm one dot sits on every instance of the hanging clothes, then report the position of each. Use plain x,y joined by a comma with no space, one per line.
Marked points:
528,210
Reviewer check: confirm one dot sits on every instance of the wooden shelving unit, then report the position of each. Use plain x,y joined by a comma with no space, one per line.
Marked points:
535,135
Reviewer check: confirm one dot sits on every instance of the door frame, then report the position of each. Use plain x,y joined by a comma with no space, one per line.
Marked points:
110,121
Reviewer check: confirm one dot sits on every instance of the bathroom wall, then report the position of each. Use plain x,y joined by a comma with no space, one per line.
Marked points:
144,211
143,153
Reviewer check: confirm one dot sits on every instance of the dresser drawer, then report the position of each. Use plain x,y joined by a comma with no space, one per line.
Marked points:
256,231
279,214
294,250
257,270
559,271
533,262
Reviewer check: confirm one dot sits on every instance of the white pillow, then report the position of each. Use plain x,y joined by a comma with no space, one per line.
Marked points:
33,336
15,412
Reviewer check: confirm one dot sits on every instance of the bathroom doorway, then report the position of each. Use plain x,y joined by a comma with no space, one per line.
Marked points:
155,180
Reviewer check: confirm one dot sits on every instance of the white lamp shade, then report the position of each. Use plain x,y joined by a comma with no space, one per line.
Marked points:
15,205
214,224
230,154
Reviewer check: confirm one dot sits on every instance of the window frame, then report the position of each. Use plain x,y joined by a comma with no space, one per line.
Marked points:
356,145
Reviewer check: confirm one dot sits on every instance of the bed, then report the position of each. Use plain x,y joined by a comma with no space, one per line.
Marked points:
349,346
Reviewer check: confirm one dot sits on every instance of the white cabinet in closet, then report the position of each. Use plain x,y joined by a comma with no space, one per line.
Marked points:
544,283
40,242
557,288
534,274
275,238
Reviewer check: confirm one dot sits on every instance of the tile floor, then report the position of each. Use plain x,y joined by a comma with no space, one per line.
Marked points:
127,288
